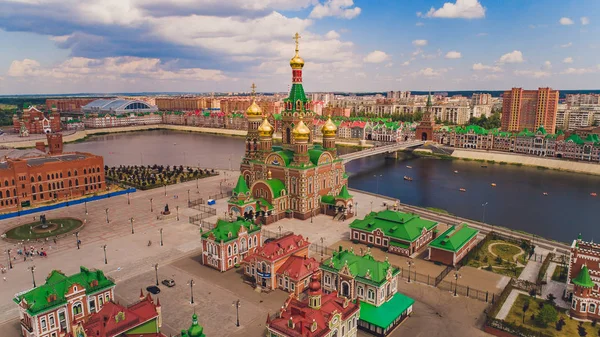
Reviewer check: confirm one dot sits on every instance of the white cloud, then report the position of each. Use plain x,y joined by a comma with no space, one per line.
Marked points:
463,9
405,63
566,45
389,65
481,34
419,43
453,55
547,65
581,71
430,72
513,57
338,8
376,56
565,21
585,20
124,67
483,67
532,73
332,35
419,24
568,60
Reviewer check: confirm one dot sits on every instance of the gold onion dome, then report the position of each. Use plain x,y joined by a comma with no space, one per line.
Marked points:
254,110
329,129
301,131
265,129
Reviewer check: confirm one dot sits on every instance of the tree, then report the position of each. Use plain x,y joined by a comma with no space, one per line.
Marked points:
546,315
581,330
525,308
551,299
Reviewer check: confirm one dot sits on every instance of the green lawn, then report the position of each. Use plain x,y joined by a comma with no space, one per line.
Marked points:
570,329
484,259
438,210
560,274
23,232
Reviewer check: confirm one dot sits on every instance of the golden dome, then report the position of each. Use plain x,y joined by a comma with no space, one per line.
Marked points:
301,131
265,129
254,110
297,62
329,129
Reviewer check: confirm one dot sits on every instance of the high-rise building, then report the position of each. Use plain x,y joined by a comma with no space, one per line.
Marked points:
529,109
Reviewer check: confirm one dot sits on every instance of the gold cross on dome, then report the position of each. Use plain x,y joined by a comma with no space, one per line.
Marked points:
253,86
296,38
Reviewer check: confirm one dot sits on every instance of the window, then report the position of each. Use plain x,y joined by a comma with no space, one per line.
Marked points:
100,302
52,321
293,286
43,324
355,235
77,308
92,304
592,308
228,250
371,295
361,291
107,297
235,248
583,307
327,279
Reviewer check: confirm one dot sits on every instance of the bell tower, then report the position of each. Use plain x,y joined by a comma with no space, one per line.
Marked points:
254,114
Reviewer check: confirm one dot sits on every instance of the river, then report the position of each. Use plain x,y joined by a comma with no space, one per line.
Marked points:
516,202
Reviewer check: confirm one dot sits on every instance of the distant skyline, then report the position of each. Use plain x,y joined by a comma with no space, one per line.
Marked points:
62,46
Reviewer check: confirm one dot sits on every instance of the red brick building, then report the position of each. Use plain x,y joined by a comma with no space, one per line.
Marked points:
68,104
318,315
29,177
451,246
427,126
529,109
583,278
35,122
282,263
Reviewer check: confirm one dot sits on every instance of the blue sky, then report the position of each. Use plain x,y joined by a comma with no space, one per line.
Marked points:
70,46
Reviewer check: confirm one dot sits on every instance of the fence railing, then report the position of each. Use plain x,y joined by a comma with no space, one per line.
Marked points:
443,274
220,195
205,209
322,250
467,291
267,234
196,202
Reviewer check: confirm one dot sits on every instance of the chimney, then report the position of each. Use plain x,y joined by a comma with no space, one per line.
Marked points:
40,146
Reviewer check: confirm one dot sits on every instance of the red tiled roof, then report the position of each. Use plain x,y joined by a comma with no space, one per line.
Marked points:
284,246
298,267
303,316
104,322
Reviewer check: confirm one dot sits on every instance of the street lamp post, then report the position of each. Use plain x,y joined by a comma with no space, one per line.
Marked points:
32,268
131,220
85,204
197,182
322,246
221,187
410,264
77,238
105,260
371,206
9,260
156,271
483,217
128,202
177,208
188,197
165,189
106,210
236,304
456,277
161,240
356,208
151,209
191,284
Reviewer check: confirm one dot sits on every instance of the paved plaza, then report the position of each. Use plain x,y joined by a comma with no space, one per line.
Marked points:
131,261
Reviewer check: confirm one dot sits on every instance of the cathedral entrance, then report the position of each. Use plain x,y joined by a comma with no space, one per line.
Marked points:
424,136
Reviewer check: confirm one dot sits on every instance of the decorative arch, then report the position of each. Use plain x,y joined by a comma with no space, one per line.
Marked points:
325,158
275,159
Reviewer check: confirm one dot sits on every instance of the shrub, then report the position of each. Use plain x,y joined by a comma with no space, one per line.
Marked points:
594,321
355,242
485,259
546,315
489,267
498,260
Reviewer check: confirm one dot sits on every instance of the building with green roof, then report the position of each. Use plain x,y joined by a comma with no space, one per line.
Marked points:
56,306
374,283
226,245
195,329
398,232
583,279
452,245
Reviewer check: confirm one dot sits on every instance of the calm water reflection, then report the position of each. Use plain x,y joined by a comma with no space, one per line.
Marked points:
516,202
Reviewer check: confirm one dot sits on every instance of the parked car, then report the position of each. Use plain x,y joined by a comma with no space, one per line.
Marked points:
153,290
169,282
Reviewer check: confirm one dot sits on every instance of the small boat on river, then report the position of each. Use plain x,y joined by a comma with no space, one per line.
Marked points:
455,171
407,178
484,166
408,166
545,193
463,189
493,184
594,194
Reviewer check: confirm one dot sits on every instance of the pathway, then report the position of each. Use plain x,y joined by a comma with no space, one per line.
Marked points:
554,287
515,257
530,272
510,300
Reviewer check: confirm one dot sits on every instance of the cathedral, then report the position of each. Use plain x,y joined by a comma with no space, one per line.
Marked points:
297,179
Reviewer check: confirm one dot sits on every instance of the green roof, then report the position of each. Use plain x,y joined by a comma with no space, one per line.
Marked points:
277,186
297,94
575,139
583,279
592,137
58,284
525,133
314,155
195,329
384,315
365,267
328,199
541,130
287,156
264,202
398,225
224,228
277,117
344,193
453,239
241,186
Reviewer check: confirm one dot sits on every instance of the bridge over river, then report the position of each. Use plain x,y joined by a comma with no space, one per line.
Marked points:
381,150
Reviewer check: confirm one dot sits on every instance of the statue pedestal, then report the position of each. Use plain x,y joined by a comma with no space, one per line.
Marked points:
166,216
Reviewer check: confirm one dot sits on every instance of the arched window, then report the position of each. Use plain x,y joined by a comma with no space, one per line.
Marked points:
32,179
77,308
70,183
228,250
62,184
13,181
360,291
61,174
8,193
49,187
47,177
85,180
75,172
68,173
235,248
84,171
39,178
371,294
32,189
41,188
592,308
76,182
6,183
254,241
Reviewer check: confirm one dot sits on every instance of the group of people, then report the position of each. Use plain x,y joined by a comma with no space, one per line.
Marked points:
31,252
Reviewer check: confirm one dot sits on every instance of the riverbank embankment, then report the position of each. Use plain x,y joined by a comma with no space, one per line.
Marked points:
83,134
519,159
